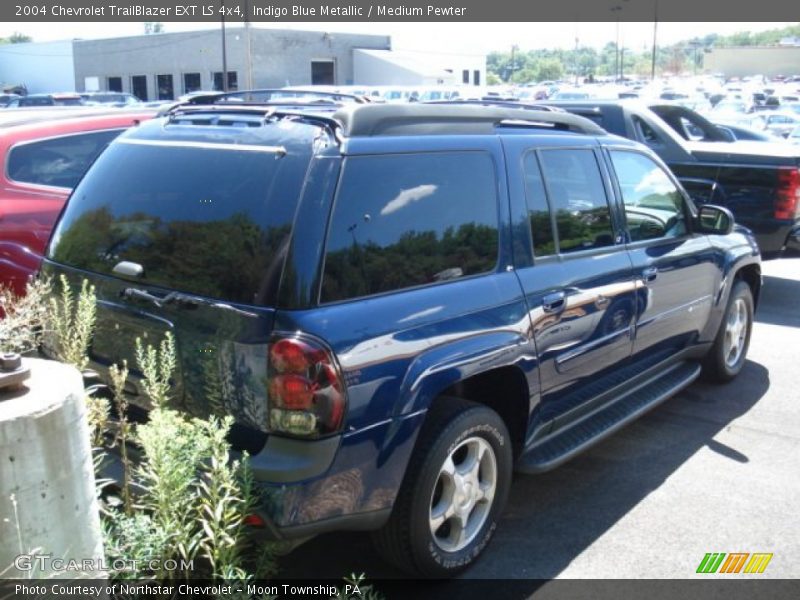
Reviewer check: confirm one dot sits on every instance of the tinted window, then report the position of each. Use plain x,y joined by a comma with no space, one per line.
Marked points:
653,204
59,161
538,210
407,220
203,220
578,199
36,101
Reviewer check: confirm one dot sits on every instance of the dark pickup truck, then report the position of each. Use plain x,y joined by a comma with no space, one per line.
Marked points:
758,181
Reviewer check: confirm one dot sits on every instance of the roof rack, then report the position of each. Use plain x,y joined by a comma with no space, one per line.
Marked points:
426,119
276,96
271,111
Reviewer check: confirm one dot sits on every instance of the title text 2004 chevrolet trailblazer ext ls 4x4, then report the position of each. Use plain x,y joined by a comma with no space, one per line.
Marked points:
400,304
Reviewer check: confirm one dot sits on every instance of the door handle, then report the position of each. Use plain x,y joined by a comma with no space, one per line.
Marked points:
650,274
554,302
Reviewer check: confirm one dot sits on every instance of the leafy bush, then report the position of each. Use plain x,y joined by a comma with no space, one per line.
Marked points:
193,500
23,318
71,323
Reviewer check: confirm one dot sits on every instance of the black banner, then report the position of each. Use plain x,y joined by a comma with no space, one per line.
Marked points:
399,11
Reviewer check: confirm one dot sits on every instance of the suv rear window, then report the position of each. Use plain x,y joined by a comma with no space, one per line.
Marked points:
59,162
199,218
405,220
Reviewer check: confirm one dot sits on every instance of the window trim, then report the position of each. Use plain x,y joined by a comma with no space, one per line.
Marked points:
44,186
531,240
340,178
686,204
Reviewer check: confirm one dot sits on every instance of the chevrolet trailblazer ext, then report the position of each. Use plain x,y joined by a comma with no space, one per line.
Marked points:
403,303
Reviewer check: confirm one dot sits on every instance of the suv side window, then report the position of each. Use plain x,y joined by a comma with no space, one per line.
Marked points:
58,162
405,220
578,199
653,204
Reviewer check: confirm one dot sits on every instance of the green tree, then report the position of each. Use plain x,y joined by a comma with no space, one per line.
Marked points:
549,68
16,38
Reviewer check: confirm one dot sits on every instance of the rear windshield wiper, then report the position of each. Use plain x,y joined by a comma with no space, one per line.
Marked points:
181,300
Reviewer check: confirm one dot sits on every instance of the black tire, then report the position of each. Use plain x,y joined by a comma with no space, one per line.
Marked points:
459,428
719,365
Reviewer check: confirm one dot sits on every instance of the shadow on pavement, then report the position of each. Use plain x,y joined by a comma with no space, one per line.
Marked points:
779,300
551,518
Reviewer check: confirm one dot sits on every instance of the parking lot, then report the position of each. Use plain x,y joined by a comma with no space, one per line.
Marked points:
714,469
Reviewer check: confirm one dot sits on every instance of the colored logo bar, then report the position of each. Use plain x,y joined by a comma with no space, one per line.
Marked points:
735,562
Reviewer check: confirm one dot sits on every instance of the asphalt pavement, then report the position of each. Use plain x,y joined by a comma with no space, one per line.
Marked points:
714,469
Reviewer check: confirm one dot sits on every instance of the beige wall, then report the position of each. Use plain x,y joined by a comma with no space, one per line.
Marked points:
742,61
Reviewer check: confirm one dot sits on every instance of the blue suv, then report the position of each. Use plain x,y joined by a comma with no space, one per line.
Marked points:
401,304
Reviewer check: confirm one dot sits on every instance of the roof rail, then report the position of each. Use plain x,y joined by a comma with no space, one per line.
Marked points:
425,119
487,101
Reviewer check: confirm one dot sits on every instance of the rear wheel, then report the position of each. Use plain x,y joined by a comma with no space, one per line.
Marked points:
454,490
727,356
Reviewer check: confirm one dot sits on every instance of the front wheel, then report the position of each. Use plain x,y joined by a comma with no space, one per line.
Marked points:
728,353
453,492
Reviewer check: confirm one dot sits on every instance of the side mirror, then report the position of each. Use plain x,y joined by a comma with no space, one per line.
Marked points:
715,220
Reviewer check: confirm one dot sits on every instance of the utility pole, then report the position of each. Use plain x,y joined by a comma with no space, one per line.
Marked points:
655,36
615,10
577,61
248,47
224,50
513,68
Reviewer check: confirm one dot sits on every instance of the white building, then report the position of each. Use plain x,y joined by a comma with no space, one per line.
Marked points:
41,67
399,67
164,66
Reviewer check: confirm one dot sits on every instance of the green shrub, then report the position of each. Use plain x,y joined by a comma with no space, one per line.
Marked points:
23,318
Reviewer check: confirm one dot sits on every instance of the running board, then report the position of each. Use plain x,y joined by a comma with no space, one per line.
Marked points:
594,427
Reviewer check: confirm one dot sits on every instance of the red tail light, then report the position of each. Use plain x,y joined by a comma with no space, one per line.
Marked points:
305,388
788,197
254,521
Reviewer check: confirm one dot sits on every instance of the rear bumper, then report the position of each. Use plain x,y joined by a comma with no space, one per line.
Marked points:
344,483
355,492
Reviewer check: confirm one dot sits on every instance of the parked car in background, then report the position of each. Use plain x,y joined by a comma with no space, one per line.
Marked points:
5,99
61,99
758,182
794,136
781,123
44,153
731,108
118,99
399,304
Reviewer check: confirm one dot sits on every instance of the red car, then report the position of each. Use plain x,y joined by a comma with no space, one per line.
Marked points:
44,153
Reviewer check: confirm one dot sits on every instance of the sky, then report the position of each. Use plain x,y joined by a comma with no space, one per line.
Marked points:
477,38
